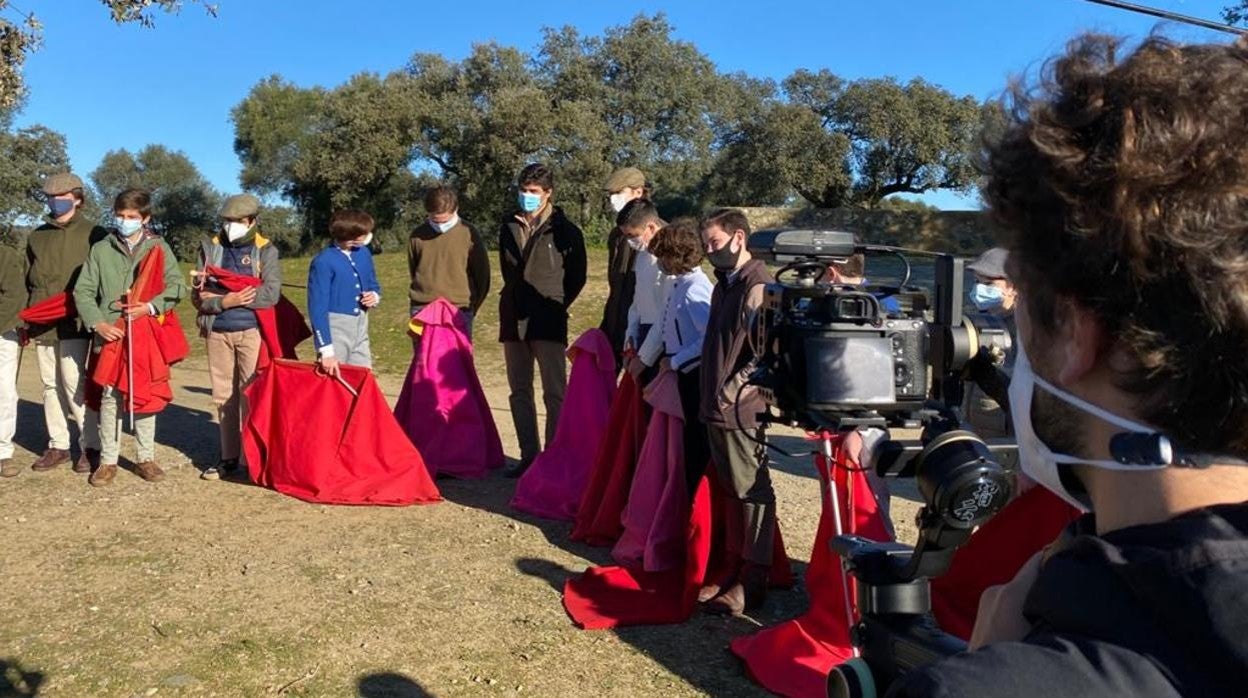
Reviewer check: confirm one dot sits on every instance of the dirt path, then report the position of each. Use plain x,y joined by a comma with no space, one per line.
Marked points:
203,588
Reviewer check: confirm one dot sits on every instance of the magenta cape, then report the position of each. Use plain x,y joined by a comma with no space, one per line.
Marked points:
553,485
657,512
307,436
442,406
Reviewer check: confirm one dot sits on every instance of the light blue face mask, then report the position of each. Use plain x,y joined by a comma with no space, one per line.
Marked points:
530,202
986,297
128,227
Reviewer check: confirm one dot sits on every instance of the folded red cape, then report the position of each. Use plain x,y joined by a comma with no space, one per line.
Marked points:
606,494
794,658
442,407
50,310
282,327
995,553
615,596
553,485
307,436
156,342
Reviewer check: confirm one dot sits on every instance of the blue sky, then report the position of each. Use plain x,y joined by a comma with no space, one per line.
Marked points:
108,87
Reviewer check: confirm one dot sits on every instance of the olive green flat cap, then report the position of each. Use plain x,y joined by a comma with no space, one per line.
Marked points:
61,183
625,178
240,206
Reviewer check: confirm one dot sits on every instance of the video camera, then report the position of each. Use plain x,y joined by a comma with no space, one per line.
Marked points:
835,357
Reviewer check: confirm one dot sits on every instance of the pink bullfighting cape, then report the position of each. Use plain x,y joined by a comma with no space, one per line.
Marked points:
442,406
553,485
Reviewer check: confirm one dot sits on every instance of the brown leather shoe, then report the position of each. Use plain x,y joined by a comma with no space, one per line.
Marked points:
748,594
8,468
710,591
50,459
148,470
88,461
103,475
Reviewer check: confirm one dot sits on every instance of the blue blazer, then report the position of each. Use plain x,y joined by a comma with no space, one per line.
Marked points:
336,280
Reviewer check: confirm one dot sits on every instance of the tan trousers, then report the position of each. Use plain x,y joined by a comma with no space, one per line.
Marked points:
63,369
232,360
552,363
112,414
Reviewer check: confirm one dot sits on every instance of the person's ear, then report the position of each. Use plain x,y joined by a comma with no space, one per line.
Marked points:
1083,340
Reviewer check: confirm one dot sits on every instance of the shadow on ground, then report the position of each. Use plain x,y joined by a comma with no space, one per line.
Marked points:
18,681
390,685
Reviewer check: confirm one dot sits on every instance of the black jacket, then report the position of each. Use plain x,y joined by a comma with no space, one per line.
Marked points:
622,283
1155,610
540,281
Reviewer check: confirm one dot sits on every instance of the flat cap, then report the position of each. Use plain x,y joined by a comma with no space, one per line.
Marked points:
61,183
991,264
240,206
625,178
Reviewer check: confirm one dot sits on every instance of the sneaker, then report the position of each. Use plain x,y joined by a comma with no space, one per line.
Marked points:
210,473
517,469
103,475
8,468
149,471
88,461
50,459
228,467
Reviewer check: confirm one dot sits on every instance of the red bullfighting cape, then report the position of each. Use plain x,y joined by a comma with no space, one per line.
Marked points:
995,553
50,310
307,436
616,596
553,485
602,504
794,658
657,512
442,406
282,327
157,343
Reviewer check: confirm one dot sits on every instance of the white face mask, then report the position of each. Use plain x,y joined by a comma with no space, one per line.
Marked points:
235,231
618,201
368,240
637,244
1034,456
444,227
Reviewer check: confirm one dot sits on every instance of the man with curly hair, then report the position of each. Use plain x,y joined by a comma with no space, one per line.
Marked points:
1121,181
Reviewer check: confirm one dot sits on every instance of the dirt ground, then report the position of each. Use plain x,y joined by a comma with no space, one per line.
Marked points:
199,588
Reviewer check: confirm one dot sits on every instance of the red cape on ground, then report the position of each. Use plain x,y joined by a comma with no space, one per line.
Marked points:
606,494
157,342
995,553
50,310
307,436
614,596
553,485
282,327
442,407
794,658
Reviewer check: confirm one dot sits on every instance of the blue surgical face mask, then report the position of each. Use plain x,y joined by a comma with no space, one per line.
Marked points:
986,297
530,202
60,207
128,226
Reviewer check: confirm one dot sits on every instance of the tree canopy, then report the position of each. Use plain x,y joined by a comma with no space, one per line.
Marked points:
635,95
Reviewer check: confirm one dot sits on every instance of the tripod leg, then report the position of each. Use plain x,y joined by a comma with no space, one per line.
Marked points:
829,457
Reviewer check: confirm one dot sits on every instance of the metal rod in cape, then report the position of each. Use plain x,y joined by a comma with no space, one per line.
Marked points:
129,360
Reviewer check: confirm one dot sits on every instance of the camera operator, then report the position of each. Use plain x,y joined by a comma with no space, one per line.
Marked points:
1122,183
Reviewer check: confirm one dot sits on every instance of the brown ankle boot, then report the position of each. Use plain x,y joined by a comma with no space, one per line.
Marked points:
148,470
103,475
49,460
87,462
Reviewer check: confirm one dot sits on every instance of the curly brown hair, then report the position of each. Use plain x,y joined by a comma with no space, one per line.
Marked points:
1122,186
678,246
